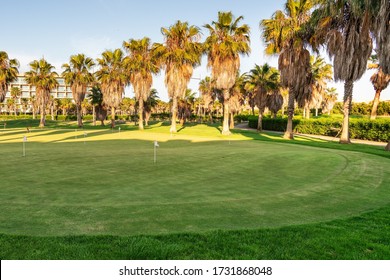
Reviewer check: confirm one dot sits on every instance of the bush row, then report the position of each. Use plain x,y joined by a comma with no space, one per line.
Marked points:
365,129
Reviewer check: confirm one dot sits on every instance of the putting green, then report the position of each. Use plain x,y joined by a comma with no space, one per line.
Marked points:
110,185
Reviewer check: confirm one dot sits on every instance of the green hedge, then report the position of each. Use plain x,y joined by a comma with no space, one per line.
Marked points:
365,129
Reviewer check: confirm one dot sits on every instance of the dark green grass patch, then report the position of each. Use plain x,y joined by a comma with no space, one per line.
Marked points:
363,237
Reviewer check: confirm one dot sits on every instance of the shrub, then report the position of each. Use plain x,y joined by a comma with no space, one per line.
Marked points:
360,128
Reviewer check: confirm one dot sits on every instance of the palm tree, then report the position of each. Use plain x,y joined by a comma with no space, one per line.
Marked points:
113,78
206,90
78,75
381,33
179,54
344,26
65,105
150,104
321,73
285,35
141,64
380,81
15,94
227,40
44,79
237,98
8,73
275,102
11,105
24,103
98,109
262,80
34,105
329,99
185,105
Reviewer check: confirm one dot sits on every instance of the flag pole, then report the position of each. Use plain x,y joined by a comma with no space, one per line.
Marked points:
155,152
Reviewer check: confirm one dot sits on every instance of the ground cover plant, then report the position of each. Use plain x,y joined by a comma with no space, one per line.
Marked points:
96,194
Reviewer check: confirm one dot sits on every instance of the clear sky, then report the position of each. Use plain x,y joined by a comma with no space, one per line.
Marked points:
57,29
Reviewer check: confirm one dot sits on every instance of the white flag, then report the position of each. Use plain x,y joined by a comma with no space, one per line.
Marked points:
156,144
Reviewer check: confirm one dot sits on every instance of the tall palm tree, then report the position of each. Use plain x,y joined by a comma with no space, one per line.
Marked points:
345,27
226,42
329,99
321,74
262,80
275,101
206,90
78,75
24,104
150,104
380,81
98,109
43,77
15,94
179,54
237,98
285,35
381,33
113,78
8,73
141,63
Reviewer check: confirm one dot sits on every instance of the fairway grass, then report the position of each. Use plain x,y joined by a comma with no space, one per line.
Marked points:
104,183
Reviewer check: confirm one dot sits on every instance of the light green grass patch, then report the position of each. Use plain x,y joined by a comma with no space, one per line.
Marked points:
202,181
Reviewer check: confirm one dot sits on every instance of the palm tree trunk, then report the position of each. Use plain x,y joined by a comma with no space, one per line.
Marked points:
52,112
387,148
94,115
43,115
225,126
348,89
316,111
79,120
290,112
112,117
260,121
375,104
174,115
141,114
231,124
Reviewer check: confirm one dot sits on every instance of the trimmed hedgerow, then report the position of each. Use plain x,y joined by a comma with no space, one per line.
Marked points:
374,130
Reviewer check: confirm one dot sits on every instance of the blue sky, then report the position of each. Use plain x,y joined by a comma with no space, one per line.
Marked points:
61,28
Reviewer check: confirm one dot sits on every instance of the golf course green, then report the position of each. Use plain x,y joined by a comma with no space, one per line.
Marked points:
102,182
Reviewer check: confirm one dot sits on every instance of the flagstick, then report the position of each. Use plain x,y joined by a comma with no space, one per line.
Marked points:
24,149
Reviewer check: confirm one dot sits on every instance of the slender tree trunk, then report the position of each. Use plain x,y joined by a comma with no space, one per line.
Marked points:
52,112
375,105
348,89
387,148
290,111
174,115
141,114
316,111
112,117
225,125
79,119
94,115
42,122
260,120
231,124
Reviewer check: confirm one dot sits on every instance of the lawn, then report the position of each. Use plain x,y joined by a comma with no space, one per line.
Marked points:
97,194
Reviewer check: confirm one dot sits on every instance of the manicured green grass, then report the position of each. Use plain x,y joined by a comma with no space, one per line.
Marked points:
208,196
